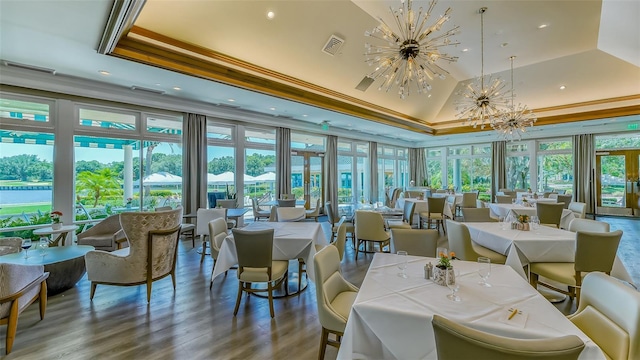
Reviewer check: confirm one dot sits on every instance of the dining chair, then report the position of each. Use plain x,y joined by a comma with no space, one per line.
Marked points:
256,264
435,212
203,216
565,200
503,199
579,209
228,204
609,314
334,297
477,215
369,228
105,235
10,245
418,242
287,197
588,225
341,237
186,229
217,233
334,219
290,214
549,214
595,251
394,196
468,201
407,217
257,213
315,212
455,341
20,286
286,202
413,194
511,193
151,255
465,249
273,214
441,191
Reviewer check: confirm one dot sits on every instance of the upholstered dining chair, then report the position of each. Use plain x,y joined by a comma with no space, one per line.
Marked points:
334,219
203,216
394,196
455,341
595,251
315,212
286,202
565,200
334,297
460,242
418,242
151,255
503,199
186,229
549,214
435,213
10,245
256,264
609,314
412,194
290,214
579,209
20,286
407,217
287,197
588,225
370,229
341,237
228,204
105,235
468,201
257,212
477,215
217,234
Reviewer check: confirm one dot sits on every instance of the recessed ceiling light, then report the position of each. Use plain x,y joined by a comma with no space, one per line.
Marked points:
177,88
104,72
429,96
542,26
562,87
272,108
271,15
231,100
465,50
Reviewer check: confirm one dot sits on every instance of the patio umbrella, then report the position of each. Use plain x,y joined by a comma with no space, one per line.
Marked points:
161,178
270,176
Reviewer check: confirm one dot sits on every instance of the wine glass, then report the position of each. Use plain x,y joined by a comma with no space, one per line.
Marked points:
26,244
402,264
43,245
535,223
484,270
441,251
451,276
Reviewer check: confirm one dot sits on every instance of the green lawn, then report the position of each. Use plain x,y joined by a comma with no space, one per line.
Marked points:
24,183
27,209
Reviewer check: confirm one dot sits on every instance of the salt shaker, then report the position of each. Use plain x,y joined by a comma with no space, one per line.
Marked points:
428,270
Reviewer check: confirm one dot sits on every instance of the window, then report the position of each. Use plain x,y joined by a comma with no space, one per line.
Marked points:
517,164
107,119
469,168
24,110
353,173
307,142
555,166
392,169
260,165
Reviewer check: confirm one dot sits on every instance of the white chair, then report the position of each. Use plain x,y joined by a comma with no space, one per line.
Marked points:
477,215
217,234
609,314
418,242
468,201
257,212
588,225
203,217
186,229
460,242
579,209
407,217
314,213
290,214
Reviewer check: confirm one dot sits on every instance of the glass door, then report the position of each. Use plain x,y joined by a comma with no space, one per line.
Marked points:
618,182
307,177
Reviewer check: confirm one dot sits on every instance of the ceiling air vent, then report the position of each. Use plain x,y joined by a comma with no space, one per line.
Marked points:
153,91
28,67
365,83
333,45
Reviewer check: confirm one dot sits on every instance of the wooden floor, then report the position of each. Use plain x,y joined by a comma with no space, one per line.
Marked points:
194,322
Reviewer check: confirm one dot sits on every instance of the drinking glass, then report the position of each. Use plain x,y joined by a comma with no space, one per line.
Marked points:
43,244
453,284
26,244
484,270
402,263
535,223
441,251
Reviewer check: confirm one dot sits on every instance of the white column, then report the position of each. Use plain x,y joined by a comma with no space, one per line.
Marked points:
64,163
128,172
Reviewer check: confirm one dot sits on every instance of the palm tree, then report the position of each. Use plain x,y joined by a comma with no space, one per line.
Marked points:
104,182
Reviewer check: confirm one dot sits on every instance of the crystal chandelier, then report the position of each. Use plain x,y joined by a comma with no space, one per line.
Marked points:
482,101
516,119
410,54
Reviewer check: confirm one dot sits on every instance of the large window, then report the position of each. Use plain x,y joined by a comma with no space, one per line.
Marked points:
469,168
392,169
353,173
518,175
221,162
434,168
260,165
555,166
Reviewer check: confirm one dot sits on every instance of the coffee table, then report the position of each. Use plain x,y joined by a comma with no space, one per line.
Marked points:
62,233
65,264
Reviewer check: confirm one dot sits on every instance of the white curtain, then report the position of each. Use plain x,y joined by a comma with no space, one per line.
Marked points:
194,165
283,161
417,165
498,167
373,171
584,155
331,171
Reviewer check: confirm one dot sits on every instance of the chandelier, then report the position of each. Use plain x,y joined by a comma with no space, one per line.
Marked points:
481,100
409,54
516,119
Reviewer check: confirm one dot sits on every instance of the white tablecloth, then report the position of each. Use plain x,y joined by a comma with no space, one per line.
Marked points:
291,240
391,317
502,210
545,244
422,206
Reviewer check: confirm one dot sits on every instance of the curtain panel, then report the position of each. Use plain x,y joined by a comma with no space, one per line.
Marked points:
584,155
373,172
417,165
194,165
283,161
498,167
331,171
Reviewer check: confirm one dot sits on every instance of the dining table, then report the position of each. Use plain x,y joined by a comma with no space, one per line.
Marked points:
544,244
291,240
503,210
422,205
275,203
391,316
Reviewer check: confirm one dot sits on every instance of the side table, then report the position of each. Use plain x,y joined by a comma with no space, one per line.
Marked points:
61,232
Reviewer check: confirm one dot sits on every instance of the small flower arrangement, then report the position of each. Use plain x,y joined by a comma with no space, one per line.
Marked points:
129,200
445,260
523,219
56,217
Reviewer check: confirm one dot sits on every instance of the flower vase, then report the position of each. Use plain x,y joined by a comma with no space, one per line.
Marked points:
56,226
439,275
128,206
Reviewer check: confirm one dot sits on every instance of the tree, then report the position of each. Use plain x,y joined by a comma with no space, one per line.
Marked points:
93,166
21,166
98,184
222,164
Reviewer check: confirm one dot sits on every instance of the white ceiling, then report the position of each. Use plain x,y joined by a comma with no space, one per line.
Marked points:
591,47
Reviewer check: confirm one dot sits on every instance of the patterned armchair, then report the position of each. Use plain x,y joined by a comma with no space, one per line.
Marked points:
151,255
10,245
20,286
106,235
